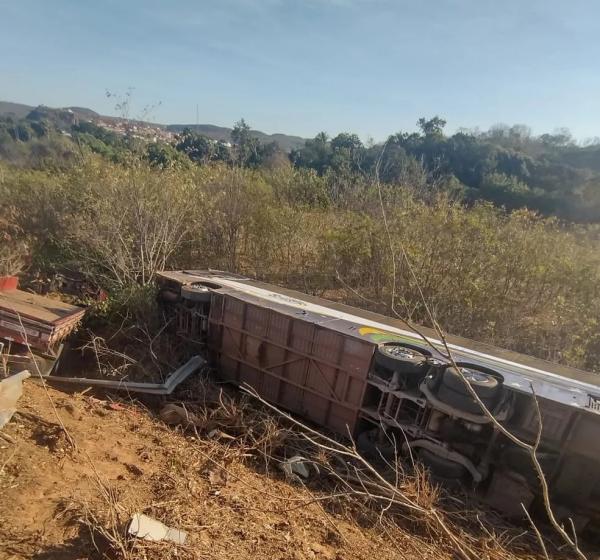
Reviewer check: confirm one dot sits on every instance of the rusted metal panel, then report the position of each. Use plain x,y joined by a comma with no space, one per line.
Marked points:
270,388
38,321
341,419
233,313
39,309
291,397
228,368
251,376
290,358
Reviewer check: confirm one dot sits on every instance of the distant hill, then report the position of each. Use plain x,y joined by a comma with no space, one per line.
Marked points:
83,112
15,110
20,111
286,142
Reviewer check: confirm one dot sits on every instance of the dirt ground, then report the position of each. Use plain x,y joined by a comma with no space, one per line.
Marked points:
68,500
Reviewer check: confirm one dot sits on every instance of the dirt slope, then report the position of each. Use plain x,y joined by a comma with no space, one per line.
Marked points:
126,461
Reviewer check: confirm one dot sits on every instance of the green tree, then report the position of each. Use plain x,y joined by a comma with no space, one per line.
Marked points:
164,156
197,147
246,147
315,154
432,127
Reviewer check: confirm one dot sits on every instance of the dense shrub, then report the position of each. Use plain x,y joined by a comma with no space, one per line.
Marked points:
513,279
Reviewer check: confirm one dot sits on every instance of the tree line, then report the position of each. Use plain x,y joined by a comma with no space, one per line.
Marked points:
505,165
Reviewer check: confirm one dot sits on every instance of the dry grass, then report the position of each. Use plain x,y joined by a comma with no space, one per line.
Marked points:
216,476
515,280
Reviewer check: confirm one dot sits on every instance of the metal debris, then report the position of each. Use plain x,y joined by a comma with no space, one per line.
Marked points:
145,527
11,389
166,388
297,466
36,321
174,414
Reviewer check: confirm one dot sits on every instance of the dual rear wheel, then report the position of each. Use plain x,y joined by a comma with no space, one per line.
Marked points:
449,385
402,358
452,389
445,381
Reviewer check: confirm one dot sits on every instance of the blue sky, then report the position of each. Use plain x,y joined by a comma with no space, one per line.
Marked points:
369,66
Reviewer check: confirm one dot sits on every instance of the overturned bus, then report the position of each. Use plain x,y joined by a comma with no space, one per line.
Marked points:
361,373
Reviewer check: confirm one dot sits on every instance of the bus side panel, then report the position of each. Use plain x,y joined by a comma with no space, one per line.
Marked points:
297,364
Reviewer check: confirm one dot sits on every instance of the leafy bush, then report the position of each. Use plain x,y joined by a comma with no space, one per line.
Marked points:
510,278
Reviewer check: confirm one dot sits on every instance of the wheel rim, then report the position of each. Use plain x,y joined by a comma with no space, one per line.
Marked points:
474,375
435,362
198,288
402,352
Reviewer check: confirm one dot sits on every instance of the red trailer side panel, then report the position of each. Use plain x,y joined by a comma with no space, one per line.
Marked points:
36,320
